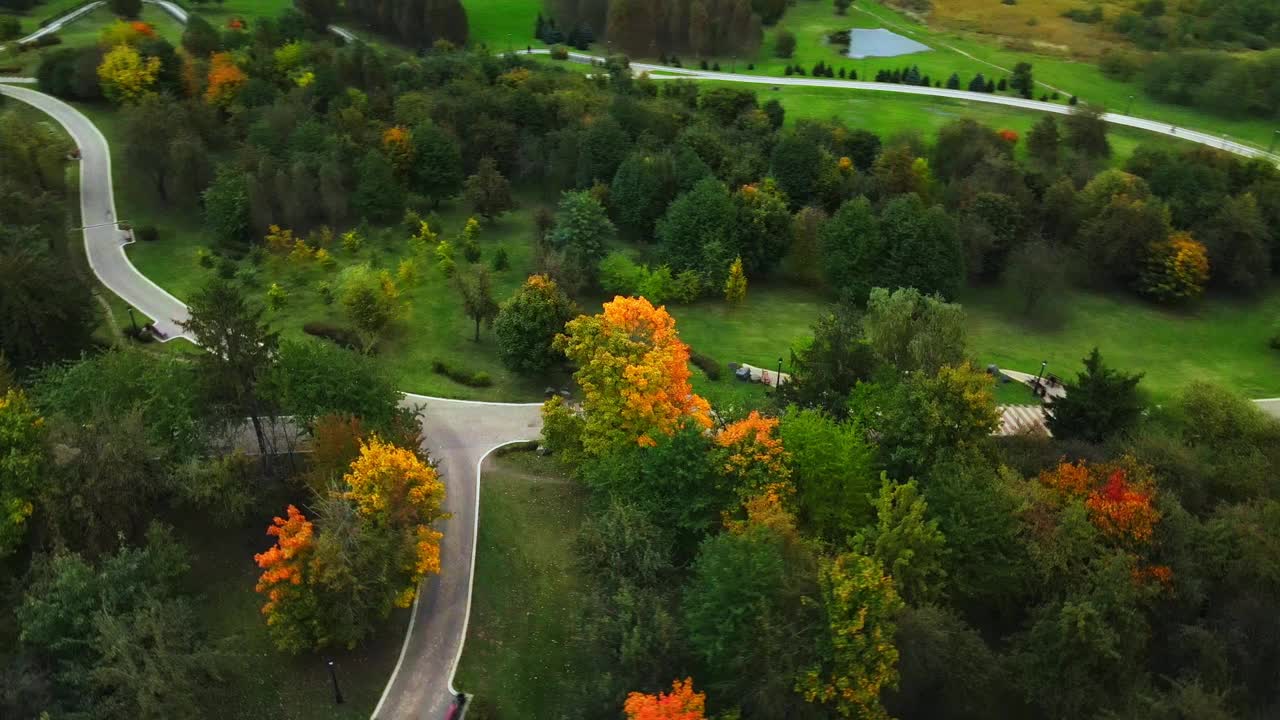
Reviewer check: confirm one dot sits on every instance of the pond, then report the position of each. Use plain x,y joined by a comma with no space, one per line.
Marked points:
881,43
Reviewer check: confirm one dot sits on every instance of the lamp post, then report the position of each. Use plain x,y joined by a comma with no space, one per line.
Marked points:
777,379
337,692
133,321
1129,107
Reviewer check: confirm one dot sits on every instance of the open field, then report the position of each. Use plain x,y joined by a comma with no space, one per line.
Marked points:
46,10
1220,341
521,655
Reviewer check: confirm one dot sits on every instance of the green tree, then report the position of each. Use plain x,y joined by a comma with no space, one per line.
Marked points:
487,191
905,541
527,323
1101,403
581,229
826,369
476,290
641,190
784,43
378,195
750,616
911,331
1115,243
311,378
796,164
126,8
947,670
319,12
371,302
199,37
762,227
695,232
38,326
1022,80
239,346
1036,272
853,254
226,206
437,173
22,432
858,658
1044,143
926,418
831,468
923,247
1086,132
1236,236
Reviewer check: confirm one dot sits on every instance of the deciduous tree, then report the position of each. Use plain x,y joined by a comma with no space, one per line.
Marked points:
528,322
126,75
634,373
487,191
906,541
682,703
22,461
476,290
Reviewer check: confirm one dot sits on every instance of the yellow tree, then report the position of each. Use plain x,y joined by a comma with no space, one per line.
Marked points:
1175,270
735,287
634,373
22,456
394,489
859,658
125,75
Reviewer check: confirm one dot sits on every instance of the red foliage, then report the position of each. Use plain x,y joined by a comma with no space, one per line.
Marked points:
142,28
1009,136
682,703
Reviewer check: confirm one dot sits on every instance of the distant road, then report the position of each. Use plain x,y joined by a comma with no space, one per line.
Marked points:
662,72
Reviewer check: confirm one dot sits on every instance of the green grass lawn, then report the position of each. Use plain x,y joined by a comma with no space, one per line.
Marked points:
47,10
1219,340
85,31
263,682
522,655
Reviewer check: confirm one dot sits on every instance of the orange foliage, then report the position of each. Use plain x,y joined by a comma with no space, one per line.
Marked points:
392,485
236,23
682,703
398,144
1009,136
283,564
1119,496
142,28
752,454
634,373
336,444
1122,509
225,80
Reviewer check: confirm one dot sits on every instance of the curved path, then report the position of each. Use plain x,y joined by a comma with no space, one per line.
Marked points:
458,433
1221,142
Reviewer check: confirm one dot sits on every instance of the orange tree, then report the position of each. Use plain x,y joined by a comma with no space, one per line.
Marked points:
634,374
225,80
291,607
682,703
751,455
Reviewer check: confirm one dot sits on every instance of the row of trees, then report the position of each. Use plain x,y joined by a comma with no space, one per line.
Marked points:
870,549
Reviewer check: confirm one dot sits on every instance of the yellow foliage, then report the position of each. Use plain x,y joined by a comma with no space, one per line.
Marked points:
634,373
126,76
1175,270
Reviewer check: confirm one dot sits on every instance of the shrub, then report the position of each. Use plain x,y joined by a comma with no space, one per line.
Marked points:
147,233
559,52
341,336
500,261
459,375
325,288
620,275
784,44
10,28
707,364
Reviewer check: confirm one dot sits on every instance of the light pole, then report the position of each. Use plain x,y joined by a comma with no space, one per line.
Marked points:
1273,141
1129,107
777,380
133,321
337,693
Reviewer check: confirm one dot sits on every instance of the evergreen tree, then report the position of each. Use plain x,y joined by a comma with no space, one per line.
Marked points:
1100,404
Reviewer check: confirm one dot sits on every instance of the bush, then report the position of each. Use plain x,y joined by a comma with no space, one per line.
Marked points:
458,375
707,364
559,52
341,336
10,28
147,233
784,44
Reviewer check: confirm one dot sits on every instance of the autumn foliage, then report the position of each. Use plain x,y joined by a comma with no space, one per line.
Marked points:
284,574
1119,496
1175,270
634,374
393,486
126,76
225,80
752,456
682,703
397,143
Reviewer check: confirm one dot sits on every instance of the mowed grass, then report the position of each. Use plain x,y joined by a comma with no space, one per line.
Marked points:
522,654
502,23
1221,341
47,10
84,32
261,681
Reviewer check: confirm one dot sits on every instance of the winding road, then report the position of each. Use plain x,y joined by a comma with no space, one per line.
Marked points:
459,434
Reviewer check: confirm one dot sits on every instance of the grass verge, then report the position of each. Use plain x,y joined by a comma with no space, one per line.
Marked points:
521,655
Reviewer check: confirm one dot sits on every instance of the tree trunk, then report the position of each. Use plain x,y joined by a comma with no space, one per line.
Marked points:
477,330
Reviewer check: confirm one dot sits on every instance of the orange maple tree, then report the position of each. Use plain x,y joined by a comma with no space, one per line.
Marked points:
397,142
1118,495
634,374
284,577
682,703
225,80
751,454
